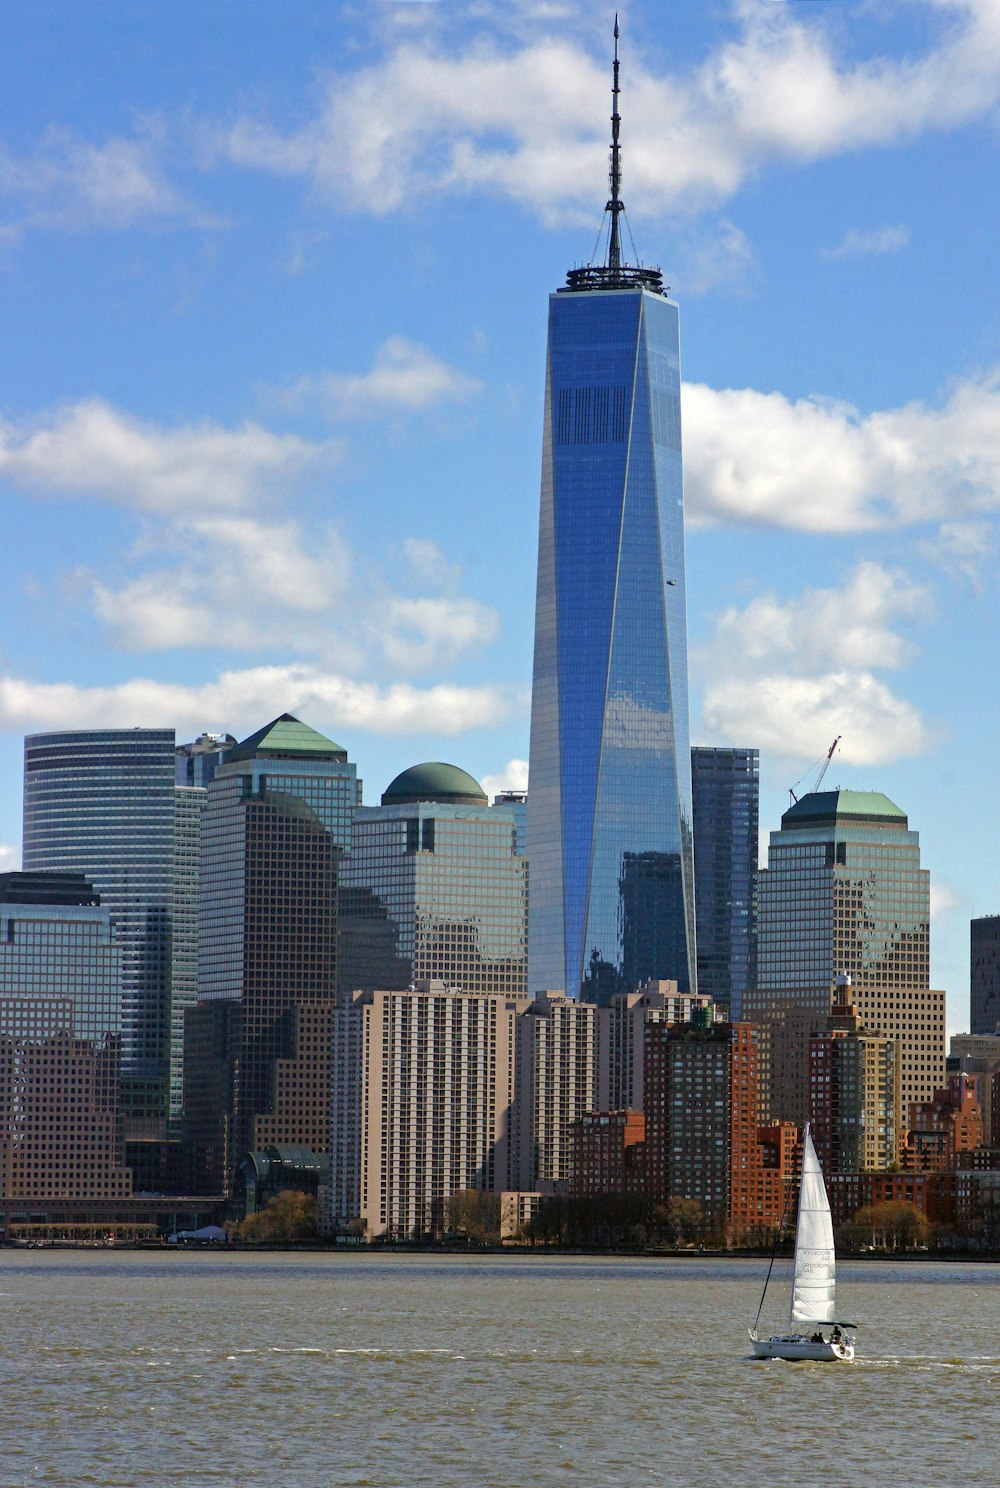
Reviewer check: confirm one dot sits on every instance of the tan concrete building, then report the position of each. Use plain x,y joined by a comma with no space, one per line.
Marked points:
629,1012
424,1105
854,1084
563,1062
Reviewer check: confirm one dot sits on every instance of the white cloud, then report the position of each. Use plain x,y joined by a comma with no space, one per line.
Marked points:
403,376
92,447
879,241
819,466
513,776
519,120
10,858
240,699
963,550
418,634
793,674
71,183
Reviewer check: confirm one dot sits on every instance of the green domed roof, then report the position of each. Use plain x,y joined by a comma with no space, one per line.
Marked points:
435,781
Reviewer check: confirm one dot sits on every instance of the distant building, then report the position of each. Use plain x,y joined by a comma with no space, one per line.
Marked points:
276,825
196,763
607,1153
978,1055
60,1043
702,1127
984,975
423,1101
844,892
726,794
434,888
101,802
628,1014
609,800
854,1101
943,1130
562,1060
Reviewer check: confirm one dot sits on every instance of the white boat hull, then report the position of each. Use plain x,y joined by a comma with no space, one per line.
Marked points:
795,1346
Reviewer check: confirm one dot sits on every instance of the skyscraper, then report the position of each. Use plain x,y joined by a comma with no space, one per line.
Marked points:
277,821
844,891
984,979
609,801
101,801
434,889
726,789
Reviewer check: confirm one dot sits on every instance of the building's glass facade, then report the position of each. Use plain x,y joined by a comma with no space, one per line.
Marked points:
102,801
437,892
726,794
844,892
60,1043
190,803
984,974
609,804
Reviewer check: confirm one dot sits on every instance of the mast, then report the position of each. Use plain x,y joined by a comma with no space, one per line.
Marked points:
615,206
615,273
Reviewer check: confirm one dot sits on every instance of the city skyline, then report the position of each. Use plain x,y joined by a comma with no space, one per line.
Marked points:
268,438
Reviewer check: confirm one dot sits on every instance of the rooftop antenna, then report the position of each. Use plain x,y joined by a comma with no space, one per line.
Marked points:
615,273
615,206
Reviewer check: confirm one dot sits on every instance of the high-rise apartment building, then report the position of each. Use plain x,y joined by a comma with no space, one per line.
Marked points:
654,1002
424,1086
844,892
854,1081
726,796
563,1065
60,1042
434,888
984,975
702,1138
276,824
101,802
609,802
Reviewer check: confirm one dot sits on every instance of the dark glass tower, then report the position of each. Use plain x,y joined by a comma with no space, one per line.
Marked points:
609,801
726,785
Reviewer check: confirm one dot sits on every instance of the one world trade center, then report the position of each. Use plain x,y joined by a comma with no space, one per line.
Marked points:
609,798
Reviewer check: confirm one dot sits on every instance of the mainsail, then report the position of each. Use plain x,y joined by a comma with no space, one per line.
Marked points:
814,1276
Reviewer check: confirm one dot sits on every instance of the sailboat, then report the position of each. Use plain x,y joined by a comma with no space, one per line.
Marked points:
813,1329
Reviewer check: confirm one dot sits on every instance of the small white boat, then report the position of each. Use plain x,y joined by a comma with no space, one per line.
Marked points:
818,1335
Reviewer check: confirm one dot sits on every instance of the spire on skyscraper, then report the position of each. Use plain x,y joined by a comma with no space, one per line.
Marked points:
615,274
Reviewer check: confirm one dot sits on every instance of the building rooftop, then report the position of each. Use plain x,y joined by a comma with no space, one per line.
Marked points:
434,781
843,805
289,738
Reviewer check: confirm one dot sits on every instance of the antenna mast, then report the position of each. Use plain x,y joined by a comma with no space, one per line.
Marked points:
615,206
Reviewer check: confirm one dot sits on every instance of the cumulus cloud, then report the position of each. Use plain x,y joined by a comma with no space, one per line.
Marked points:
417,634
239,699
513,776
10,858
964,551
71,183
518,120
793,674
403,376
881,240
820,466
91,447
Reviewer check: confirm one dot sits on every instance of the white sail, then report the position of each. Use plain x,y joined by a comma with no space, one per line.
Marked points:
815,1268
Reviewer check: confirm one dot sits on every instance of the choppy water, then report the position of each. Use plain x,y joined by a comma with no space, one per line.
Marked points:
394,1372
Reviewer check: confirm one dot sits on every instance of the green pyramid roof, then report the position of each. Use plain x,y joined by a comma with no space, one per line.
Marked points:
856,805
288,738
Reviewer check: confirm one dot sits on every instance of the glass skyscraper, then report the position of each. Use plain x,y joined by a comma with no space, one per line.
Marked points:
609,801
726,784
101,802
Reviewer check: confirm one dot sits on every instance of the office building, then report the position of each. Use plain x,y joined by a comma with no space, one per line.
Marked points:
276,825
854,1082
654,1002
984,975
101,802
609,801
844,891
434,889
60,1042
424,1099
726,795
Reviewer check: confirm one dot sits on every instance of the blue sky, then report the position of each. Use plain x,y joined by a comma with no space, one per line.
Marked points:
273,281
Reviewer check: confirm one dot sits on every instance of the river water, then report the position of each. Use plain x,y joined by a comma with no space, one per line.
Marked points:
374,1371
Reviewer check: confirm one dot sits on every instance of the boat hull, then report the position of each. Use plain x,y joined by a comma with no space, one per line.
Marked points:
793,1346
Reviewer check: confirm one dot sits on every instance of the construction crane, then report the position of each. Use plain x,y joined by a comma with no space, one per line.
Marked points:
824,765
